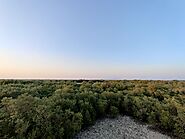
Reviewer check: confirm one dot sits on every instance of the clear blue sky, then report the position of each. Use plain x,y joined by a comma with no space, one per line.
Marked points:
110,39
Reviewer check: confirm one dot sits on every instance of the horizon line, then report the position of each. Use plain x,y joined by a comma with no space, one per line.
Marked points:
105,79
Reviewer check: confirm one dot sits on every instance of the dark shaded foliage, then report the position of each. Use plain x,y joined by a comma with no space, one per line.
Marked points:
59,109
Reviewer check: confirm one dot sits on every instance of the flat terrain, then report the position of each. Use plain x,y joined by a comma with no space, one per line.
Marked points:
122,127
60,109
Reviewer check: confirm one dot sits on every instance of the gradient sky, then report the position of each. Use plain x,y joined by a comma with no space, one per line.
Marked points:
109,39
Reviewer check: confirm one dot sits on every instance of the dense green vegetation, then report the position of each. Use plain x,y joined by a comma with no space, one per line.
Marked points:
59,109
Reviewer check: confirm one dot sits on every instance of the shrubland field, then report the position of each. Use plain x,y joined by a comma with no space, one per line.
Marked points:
53,109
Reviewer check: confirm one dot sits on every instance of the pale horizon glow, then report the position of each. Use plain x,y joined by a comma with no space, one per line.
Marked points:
124,39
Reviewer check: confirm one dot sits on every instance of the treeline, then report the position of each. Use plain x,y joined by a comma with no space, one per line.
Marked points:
60,109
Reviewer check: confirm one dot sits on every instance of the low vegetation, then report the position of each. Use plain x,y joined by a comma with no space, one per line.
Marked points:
59,109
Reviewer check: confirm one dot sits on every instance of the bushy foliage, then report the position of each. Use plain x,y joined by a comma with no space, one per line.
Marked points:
59,109
113,111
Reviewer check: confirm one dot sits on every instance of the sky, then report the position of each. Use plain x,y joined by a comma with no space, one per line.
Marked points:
92,39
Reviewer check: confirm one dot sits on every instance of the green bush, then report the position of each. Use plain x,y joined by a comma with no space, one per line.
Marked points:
113,111
59,109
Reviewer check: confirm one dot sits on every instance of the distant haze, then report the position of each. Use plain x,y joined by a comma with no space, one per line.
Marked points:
92,39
